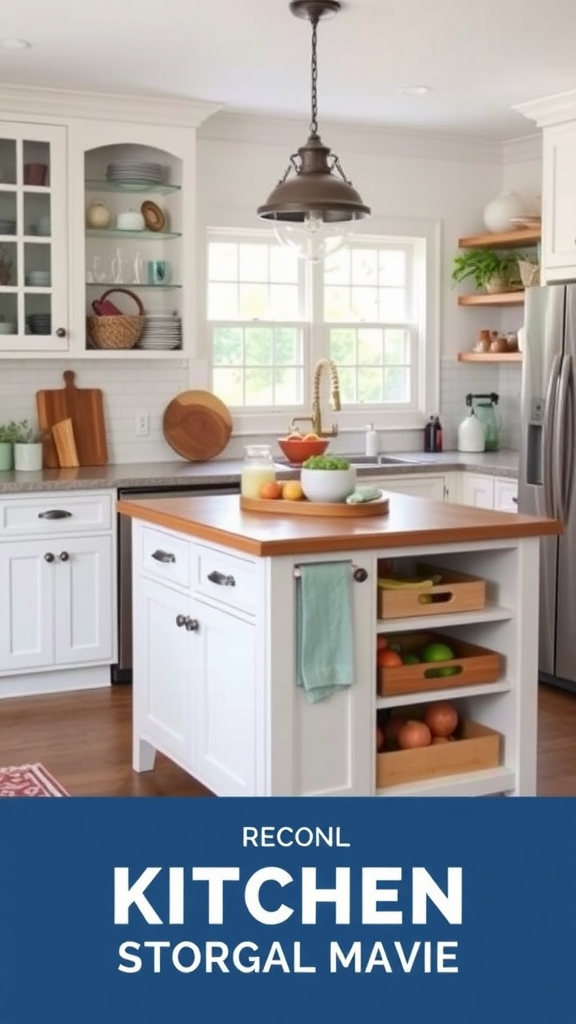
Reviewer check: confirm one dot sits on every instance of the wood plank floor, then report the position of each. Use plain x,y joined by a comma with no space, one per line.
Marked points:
84,739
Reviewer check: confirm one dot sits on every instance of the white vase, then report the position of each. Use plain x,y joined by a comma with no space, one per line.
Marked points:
498,211
28,457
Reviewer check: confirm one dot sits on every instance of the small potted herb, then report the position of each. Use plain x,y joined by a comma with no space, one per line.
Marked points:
8,433
27,447
489,270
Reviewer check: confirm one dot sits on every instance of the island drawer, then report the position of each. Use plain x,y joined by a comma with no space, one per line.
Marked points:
54,513
471,664
225,577
475,748
450,592
165,556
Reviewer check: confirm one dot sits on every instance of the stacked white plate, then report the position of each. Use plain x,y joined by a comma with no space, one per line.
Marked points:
161,331
136,170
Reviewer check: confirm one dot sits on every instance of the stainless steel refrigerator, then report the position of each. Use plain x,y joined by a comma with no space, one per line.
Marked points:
546,478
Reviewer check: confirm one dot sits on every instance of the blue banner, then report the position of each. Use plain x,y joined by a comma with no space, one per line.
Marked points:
205,911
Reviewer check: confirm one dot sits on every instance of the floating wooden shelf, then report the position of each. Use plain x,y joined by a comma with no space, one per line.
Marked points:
503,240
489,357
499,299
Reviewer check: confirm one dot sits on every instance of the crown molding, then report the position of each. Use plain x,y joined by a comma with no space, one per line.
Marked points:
142,108
527,147
238,126
550,110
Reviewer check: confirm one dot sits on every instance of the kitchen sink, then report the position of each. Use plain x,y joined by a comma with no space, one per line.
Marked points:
358,461
381,460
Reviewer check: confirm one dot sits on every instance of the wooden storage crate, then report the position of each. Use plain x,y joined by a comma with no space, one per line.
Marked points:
477,747
472,664
456,592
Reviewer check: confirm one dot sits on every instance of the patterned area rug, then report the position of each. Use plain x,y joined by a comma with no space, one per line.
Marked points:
29,780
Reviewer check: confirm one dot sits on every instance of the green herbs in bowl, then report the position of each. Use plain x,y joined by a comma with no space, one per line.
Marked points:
325,462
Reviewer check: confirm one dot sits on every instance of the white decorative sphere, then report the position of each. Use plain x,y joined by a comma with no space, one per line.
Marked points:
498,212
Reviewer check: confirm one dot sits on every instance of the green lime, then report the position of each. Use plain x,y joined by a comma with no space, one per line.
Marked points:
437,652
411,659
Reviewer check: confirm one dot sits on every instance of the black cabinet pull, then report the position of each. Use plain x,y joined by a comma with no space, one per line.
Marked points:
55,513
48,557
359,575
515,500
190,625
163,556
64,556
60,332
221,579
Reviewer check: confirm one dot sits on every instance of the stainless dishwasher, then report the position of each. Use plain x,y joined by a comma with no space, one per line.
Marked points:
122,672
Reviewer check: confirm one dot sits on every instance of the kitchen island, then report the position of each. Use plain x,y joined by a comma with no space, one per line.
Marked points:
215,652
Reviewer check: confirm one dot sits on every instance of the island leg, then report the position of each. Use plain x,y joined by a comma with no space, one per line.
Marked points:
143,755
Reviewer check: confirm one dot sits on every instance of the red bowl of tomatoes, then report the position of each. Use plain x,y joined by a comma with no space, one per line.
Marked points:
298,449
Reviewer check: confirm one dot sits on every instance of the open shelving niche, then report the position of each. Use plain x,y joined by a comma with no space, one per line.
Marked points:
95,185
497,704
524,237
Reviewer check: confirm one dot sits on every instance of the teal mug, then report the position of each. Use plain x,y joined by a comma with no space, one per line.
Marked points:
158,271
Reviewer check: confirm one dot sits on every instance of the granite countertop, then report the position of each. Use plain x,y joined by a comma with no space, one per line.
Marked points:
412,522
222,471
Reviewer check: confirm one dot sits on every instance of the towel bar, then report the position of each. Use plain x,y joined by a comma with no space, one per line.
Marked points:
359,574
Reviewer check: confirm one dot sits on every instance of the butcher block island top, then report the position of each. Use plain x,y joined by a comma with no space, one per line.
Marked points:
409,522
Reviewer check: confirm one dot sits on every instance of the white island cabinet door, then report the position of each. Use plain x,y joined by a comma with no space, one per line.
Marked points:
227,713
84,619
162,697
324,748
27,571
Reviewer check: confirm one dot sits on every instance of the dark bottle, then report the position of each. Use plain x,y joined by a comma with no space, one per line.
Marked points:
429,435
437,435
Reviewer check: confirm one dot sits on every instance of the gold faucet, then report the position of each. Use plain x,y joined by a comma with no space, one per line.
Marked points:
316,418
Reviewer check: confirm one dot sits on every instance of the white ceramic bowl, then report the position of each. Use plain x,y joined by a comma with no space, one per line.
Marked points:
130,220
7,328
327,484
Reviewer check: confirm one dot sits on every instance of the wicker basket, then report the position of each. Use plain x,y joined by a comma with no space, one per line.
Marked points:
117,331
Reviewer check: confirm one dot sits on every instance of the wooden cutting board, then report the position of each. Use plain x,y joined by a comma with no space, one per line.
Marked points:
85,407
197,425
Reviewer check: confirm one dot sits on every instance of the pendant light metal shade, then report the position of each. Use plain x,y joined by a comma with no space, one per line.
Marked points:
314,187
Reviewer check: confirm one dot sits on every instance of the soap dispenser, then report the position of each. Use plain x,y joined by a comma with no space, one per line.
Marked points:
372,442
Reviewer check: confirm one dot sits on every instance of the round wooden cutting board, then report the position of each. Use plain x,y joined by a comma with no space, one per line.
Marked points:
197,425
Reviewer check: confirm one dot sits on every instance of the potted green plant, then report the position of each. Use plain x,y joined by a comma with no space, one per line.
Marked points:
27,447
490,270
327,478
8,433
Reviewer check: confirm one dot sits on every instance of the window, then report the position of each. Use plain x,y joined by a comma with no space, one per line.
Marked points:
369,308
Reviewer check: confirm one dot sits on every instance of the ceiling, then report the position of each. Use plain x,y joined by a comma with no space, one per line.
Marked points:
253,55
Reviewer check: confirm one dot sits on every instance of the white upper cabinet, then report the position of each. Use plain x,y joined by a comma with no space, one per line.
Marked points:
34,311
559,202
556,116
62,152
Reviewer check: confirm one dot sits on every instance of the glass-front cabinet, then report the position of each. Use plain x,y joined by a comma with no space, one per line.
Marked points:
33,240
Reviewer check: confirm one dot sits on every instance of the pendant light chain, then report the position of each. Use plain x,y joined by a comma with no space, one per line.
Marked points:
314,121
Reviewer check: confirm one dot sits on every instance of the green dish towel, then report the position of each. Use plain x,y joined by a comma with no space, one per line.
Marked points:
324,629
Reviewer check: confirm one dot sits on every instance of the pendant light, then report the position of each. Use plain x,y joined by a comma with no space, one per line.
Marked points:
314,206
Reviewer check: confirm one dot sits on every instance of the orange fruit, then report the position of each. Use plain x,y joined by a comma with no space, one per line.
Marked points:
271,489
311,437
292,491
387,658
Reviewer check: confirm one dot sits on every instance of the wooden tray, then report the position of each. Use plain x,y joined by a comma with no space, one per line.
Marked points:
473,664
477,747
340,509
456,592
197,425
84,406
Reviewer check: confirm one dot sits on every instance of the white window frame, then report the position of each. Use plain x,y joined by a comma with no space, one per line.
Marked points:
315,332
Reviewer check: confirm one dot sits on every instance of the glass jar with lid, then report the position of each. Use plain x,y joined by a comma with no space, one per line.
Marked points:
258,469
